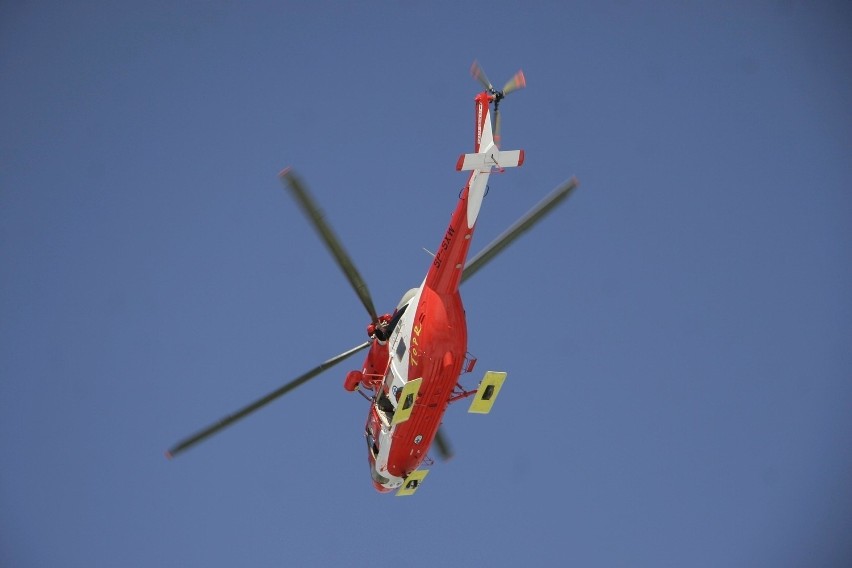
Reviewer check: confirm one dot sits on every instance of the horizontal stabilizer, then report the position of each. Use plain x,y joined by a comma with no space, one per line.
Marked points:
412,482
487,392
492,158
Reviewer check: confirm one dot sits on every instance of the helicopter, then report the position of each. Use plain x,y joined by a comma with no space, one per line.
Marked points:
418,353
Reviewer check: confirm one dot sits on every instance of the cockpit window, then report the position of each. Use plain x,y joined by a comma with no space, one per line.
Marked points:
371,444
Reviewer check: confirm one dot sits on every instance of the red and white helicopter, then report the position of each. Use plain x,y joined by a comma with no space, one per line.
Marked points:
418,353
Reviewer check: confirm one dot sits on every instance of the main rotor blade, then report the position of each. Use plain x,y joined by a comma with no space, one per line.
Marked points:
523,224
245,411
480,76
315,214
442,444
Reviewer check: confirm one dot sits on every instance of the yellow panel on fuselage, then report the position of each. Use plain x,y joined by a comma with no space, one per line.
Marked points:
487,392
406,401
412,482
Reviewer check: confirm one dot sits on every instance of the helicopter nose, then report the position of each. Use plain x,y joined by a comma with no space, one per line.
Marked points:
377,479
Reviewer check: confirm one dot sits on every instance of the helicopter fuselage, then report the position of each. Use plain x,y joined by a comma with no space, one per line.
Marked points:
429,343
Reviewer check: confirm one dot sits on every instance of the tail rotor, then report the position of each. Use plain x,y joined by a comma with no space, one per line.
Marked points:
517,82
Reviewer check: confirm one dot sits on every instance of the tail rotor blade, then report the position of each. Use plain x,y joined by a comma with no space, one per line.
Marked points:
515,83
497,124
202,435
315,215
523,224
480,76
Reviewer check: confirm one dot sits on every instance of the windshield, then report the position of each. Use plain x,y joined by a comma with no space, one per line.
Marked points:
371,444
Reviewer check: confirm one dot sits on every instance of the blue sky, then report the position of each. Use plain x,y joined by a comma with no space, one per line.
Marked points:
677,335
